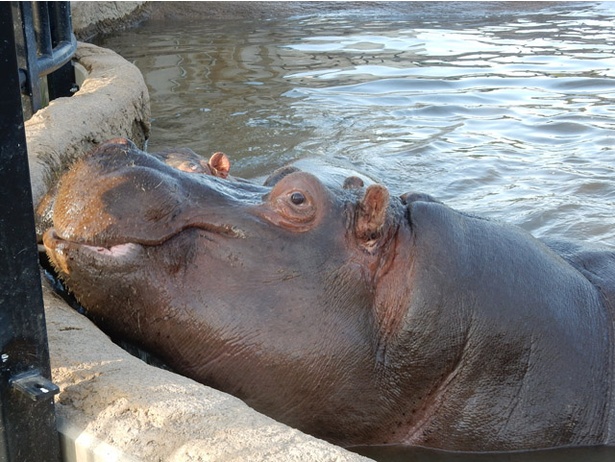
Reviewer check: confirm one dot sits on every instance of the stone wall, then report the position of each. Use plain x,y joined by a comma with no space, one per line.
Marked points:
93,18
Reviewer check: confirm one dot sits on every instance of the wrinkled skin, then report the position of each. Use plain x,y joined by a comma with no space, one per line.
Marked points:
356,317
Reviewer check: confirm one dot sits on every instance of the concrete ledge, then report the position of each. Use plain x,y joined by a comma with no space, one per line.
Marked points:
93,18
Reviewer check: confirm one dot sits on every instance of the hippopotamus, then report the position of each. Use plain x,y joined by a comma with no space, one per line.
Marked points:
187,160
351,314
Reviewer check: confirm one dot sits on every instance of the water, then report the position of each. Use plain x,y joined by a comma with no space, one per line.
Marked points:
503,109
500,109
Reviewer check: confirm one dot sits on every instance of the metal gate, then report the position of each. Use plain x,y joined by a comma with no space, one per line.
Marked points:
33,44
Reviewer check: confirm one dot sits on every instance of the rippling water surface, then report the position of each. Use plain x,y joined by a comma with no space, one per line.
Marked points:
507,110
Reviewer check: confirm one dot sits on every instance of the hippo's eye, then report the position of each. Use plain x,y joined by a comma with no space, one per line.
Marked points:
296,202
297,198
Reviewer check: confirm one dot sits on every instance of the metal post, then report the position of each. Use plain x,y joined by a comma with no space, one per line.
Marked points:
27,420
48,44
31,56
61,82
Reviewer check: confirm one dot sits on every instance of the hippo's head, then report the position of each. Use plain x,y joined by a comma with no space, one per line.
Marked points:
273,284
355,316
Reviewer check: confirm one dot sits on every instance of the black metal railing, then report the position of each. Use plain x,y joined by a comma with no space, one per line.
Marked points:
46,43
27,418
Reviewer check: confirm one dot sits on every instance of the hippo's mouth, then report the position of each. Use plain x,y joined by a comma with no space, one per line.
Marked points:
120,252
53,241
63,252
119,245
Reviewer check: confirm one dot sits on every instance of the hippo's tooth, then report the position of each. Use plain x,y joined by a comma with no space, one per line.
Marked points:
120,250
237,232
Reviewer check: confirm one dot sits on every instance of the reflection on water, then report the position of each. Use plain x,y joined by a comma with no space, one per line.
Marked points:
493,108
501,109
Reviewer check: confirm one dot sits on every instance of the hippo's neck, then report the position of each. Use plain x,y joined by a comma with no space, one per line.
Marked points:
513,354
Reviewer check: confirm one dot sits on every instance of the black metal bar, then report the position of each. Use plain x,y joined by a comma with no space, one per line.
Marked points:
30,51
42,29
27,420
54,53
62,81
61,24
49,46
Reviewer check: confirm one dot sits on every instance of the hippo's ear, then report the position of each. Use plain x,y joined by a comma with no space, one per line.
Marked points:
371,215
219,164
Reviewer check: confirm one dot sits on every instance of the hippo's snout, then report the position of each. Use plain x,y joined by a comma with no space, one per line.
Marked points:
138,199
